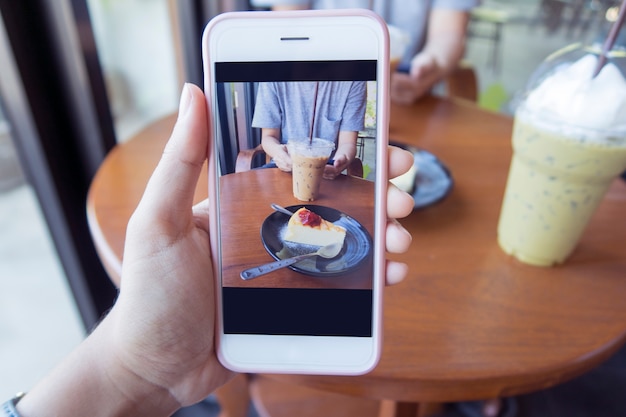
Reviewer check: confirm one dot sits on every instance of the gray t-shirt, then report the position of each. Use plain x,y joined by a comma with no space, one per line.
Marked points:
289,106
409,15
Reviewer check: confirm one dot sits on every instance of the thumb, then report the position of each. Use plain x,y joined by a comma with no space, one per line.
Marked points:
170,191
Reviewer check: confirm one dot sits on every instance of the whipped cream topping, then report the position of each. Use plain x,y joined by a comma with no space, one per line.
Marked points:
572,97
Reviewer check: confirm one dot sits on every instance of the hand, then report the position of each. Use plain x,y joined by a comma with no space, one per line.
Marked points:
425,72
345,154
281,158
340,163
154,352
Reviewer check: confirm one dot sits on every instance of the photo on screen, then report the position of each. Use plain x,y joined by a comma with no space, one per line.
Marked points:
297,161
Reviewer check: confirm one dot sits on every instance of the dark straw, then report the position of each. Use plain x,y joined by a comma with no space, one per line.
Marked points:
610,39
314,109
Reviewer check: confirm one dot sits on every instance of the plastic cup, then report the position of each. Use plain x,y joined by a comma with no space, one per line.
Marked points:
559,173
555,184
308,160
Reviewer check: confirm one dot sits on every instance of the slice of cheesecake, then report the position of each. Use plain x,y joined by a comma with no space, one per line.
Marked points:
309,228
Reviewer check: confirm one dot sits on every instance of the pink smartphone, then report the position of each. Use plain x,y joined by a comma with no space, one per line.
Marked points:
298,178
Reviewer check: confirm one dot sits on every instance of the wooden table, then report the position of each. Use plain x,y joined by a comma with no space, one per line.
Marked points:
470,322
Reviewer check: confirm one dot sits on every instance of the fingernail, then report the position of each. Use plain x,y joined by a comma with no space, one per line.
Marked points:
185,100
402,228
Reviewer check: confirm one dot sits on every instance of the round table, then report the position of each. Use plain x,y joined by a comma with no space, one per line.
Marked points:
469,322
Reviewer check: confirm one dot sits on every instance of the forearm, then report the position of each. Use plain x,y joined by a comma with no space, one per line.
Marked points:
346,145
92,382
270,142
446,38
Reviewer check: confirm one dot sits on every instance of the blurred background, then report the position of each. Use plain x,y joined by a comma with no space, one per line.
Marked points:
111,68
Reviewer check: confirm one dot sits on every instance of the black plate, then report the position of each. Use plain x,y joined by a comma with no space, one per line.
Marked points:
433,180
357,246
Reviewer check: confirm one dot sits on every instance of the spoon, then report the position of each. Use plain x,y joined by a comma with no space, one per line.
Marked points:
328,251
281,209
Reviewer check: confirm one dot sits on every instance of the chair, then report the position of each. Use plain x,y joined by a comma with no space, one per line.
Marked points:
462,83
246,157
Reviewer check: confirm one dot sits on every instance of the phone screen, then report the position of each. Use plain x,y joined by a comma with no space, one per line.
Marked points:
296,102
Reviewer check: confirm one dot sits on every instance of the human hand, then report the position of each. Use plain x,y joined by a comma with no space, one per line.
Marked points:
281,158
155,350
425,72
344,155
340,163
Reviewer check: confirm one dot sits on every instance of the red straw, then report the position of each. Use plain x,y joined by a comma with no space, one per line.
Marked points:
314,108
610,40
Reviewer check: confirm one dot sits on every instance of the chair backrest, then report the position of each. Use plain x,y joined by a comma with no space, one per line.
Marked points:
462,82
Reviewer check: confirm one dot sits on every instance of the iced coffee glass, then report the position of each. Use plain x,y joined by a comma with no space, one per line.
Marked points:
308,159
569,144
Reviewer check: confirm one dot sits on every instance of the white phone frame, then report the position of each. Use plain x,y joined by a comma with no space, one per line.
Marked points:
364,37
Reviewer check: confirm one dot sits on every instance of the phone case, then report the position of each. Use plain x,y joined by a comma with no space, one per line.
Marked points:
242,303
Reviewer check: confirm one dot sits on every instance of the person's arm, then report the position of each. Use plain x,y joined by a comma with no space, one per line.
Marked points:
445,43
353,120
344,155
268,115
92,381
444,48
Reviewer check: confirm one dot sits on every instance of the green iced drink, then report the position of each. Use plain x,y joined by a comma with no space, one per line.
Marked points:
569,144
555,183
